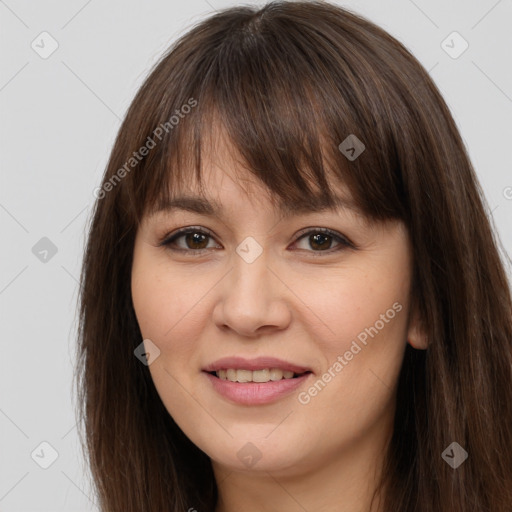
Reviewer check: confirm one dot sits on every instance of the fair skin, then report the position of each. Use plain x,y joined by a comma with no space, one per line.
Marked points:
320,454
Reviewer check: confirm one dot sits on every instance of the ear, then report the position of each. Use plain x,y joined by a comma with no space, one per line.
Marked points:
416,335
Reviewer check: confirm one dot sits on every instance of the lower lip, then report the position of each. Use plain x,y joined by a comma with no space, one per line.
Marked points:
256,393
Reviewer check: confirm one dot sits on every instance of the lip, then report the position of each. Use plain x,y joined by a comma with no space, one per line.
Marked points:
258,363
255,393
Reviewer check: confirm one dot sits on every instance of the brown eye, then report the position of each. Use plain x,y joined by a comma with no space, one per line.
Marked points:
194,239
322,239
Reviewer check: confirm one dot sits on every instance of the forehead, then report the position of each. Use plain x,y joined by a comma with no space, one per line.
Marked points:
227,182
222,191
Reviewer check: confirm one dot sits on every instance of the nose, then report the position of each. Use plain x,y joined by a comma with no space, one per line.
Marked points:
253,299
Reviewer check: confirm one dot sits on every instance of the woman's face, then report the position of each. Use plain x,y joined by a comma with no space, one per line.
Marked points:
277,294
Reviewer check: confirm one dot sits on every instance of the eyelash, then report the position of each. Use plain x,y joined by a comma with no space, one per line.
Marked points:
344,243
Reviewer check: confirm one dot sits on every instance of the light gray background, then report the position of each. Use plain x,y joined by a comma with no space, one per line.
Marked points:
59,119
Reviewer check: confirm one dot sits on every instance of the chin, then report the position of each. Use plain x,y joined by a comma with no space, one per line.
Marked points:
256,455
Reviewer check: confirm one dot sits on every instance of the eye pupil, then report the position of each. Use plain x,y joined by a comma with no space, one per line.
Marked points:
320,239
195,238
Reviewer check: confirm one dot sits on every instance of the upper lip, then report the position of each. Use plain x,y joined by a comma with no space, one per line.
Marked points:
258,363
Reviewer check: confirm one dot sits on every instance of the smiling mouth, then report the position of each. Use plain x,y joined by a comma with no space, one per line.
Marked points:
256,376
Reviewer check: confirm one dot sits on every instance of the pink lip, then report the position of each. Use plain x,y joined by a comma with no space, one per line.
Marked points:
255,393
259,363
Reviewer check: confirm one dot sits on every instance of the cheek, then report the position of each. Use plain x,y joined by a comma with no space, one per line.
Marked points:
357,304
171,310
364,326
162,300
366,311
168,309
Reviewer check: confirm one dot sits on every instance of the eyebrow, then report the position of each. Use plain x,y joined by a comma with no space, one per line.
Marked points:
211,207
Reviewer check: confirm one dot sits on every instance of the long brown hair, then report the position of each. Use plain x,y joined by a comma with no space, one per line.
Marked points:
289,82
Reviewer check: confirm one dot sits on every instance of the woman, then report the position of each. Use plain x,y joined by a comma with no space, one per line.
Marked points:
292,298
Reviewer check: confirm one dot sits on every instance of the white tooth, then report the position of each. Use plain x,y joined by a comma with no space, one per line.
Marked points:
261,375
275,374
244,375
264,375
231,375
